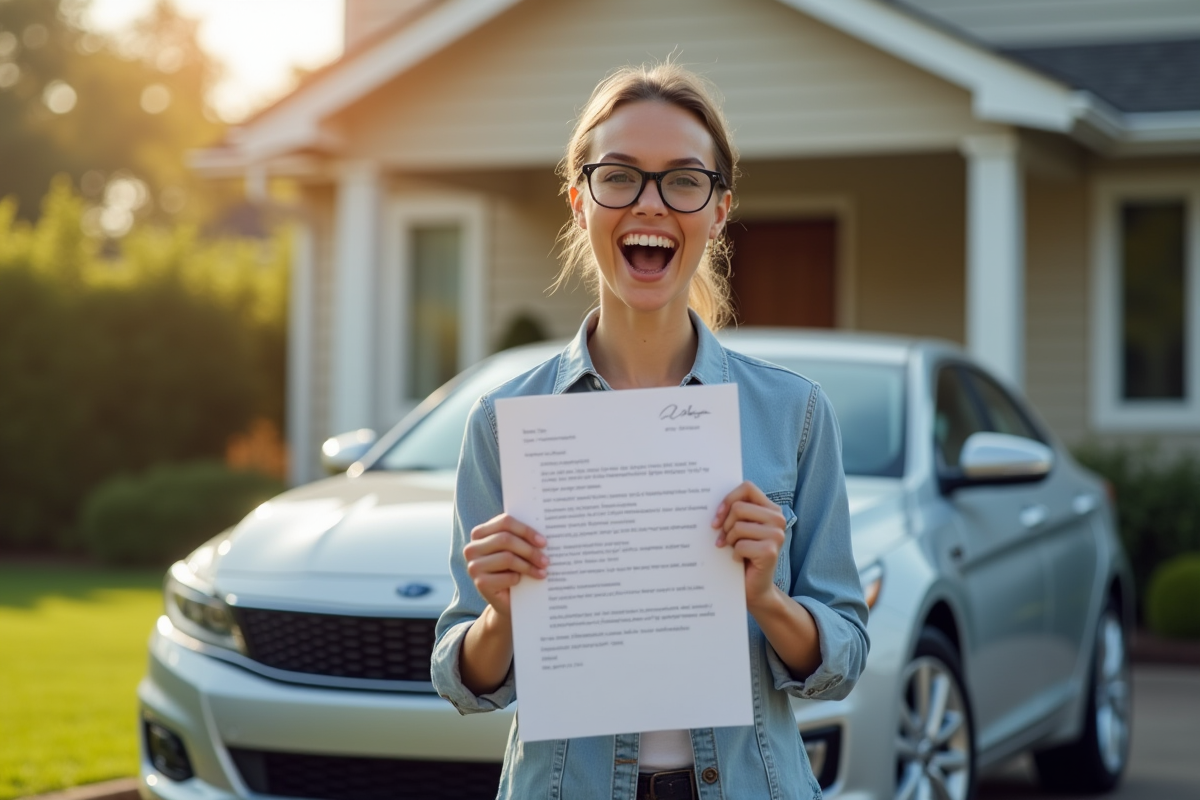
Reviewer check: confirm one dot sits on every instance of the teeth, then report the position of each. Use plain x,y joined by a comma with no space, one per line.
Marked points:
648,240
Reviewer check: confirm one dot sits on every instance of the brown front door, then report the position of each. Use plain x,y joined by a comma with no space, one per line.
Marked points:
784,272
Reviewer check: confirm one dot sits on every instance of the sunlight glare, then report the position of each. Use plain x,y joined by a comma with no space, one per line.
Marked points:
259,41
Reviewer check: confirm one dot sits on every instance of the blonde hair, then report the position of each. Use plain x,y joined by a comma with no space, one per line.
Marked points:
665,83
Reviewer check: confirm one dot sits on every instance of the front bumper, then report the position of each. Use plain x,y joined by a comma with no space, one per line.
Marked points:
214,706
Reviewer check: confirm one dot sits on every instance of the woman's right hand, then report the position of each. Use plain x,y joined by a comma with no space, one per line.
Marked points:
501,550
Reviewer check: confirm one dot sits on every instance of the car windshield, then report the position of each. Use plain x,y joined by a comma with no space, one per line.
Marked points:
868,399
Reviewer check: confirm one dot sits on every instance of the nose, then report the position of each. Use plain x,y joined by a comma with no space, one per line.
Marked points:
650,202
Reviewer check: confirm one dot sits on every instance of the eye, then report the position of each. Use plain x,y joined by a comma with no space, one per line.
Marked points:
616,175
684,180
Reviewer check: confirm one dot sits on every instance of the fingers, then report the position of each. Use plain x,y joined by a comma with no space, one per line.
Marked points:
747,513
505,523
504,542
500,551
505,561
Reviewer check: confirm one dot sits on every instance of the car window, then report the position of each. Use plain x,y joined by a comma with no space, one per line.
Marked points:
956,416
1004,414
435,441
868,400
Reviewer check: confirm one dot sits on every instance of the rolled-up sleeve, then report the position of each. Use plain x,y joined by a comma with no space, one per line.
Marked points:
824,577
477,498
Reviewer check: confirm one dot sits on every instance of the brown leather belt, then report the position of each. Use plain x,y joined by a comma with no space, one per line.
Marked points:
678,784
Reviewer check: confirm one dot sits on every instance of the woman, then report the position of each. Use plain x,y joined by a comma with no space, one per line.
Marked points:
649,175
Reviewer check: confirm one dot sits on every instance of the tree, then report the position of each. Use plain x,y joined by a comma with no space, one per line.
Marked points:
116,114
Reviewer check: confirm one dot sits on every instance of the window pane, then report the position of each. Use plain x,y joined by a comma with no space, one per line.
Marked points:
433,342
1005,416
956,417
1152,289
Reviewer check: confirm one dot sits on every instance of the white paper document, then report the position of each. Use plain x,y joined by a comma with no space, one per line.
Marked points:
640,624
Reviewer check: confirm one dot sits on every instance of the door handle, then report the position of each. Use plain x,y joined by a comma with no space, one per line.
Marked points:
1084,503
1032,516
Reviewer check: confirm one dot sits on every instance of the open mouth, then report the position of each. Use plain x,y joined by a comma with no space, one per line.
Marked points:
647,254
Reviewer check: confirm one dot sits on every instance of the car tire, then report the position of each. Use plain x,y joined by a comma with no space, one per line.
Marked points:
1095,762
935,743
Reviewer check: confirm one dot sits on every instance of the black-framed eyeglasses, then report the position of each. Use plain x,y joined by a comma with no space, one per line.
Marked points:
684,189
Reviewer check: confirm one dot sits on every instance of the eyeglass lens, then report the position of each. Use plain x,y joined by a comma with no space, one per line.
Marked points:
685,190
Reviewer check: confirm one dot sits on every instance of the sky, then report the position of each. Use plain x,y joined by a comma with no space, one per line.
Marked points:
258,40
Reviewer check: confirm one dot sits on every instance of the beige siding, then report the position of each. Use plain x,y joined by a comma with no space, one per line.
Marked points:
1056,304
908,217
365,17
1059,21
506,94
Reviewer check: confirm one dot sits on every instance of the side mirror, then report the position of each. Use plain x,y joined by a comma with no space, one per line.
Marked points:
1001,458
339,452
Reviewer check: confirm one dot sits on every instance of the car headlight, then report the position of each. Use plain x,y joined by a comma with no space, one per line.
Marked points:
872,583
198,613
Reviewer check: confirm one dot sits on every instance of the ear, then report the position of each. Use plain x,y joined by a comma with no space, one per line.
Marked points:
575,200
724,204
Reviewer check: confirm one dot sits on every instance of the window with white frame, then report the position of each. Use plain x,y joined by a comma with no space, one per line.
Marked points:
431,297
1146,306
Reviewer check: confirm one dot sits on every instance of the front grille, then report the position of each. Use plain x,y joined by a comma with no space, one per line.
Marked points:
371,648
348,778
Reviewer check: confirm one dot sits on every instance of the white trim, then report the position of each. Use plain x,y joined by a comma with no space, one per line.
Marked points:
402,214
799,206
355,284
302,453
1003,90
1109,412
295,123
995,273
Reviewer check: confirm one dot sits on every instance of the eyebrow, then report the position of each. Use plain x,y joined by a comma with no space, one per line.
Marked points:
675,162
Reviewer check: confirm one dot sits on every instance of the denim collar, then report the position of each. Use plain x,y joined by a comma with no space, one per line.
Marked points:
711,364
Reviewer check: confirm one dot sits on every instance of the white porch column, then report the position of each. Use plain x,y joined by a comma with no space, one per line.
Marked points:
302,451
996,254
355,271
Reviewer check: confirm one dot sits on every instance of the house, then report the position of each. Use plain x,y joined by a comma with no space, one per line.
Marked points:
1023,178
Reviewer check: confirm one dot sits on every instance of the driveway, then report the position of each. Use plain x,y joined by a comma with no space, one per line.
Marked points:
1166,744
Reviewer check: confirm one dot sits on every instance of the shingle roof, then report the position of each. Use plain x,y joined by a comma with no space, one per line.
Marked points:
1132,76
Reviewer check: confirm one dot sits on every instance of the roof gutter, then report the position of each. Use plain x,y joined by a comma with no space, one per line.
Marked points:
1115,133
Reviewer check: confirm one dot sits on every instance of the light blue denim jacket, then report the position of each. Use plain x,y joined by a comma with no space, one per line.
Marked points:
791,449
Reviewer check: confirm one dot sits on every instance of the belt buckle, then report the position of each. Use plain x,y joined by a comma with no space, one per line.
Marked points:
667,774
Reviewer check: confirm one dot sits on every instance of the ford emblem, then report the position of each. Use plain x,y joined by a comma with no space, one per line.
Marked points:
414,589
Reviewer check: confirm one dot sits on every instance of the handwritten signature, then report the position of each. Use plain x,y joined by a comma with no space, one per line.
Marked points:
675,412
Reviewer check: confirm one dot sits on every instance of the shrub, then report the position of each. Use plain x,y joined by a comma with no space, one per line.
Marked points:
1173,598
165,513
158,352
1158,505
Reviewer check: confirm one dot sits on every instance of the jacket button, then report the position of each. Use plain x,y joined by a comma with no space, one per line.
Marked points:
709,775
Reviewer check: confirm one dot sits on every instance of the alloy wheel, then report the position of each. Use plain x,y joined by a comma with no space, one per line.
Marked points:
1112,687
933,746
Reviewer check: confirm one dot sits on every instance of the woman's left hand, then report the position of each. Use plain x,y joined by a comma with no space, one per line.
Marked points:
755,528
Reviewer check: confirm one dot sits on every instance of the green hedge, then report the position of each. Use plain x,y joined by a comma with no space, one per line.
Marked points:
1173,598
112,361
165,513
1158,505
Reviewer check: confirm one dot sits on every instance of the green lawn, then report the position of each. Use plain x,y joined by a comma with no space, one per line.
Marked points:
72,649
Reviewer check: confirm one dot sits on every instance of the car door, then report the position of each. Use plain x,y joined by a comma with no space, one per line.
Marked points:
1061,513
1001,571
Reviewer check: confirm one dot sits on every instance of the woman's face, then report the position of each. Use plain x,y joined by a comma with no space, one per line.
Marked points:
652,136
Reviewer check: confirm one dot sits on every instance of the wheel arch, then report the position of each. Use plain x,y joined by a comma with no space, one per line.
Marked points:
942,618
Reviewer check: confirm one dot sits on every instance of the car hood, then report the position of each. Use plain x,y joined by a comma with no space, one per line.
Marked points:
365,541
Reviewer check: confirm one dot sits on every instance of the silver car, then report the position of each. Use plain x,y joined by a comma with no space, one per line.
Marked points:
293,657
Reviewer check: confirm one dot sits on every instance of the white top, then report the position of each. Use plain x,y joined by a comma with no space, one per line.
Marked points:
665,750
